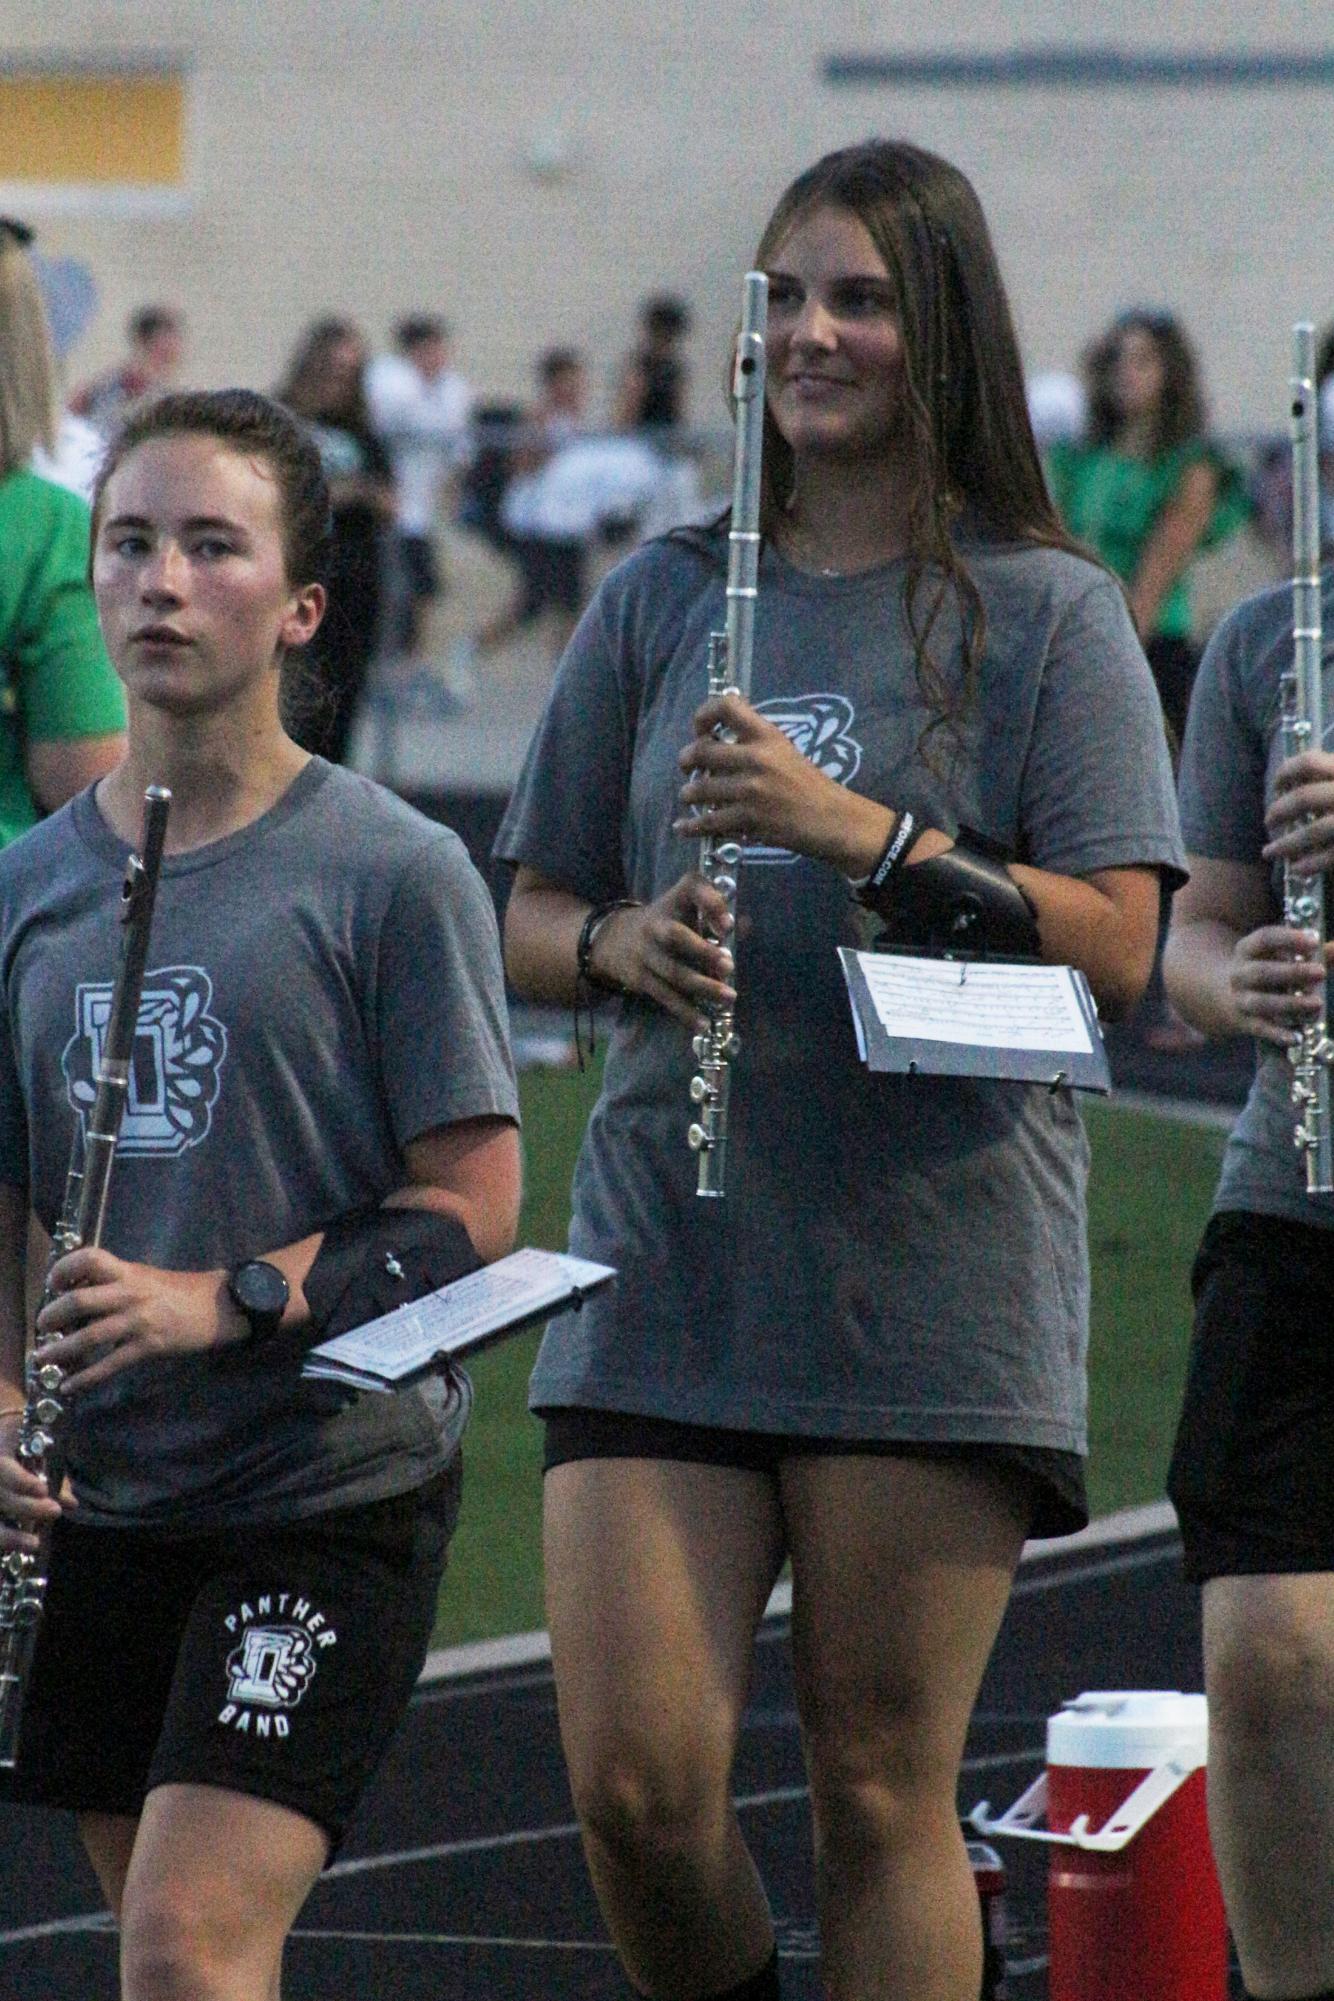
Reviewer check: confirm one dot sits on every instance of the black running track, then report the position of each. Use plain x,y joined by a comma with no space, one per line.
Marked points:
462,1876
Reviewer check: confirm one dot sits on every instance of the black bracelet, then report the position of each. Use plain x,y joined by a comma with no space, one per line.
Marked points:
583,951
895,848
588,983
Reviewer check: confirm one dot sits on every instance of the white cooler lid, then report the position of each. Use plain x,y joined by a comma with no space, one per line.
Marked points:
1129,1729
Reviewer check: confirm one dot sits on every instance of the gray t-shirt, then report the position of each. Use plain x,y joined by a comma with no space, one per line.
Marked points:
322,987
895,1257
1233,747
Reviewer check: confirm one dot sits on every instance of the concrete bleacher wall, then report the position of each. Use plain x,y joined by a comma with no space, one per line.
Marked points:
533,170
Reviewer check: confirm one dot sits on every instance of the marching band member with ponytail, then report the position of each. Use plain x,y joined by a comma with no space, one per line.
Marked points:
869,1357
245,1568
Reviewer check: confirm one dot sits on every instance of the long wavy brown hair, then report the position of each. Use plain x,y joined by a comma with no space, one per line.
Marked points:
1180,415
971,447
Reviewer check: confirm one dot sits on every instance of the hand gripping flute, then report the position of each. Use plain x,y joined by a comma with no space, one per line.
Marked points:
23,1573
730,654
1302,706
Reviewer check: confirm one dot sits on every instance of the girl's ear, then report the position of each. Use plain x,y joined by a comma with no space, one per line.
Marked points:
303,615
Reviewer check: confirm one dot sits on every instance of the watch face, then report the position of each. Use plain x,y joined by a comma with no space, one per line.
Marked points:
258,1287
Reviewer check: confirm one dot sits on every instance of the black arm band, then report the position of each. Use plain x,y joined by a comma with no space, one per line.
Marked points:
965,901
376,1259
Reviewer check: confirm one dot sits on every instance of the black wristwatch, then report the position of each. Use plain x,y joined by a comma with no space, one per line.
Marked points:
260,1291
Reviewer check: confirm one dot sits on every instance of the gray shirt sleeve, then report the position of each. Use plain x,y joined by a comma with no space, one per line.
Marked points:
439,1004
13,1115
583,750
1096,790
1223,761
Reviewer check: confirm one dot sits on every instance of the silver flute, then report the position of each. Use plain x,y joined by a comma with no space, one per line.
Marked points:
23,1573
730,655
1302,706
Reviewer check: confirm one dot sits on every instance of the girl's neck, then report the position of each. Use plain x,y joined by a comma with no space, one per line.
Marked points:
221,779
845,517
1135,437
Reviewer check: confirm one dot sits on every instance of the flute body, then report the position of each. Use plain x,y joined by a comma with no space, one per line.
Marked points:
1302,711
23,1573
730,655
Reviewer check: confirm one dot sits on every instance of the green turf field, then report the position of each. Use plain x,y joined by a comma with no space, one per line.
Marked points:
1152,1180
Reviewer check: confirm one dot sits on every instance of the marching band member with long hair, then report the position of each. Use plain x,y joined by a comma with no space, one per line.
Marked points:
244,1571
868,1358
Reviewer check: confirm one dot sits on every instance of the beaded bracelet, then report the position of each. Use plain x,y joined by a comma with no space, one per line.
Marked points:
587,981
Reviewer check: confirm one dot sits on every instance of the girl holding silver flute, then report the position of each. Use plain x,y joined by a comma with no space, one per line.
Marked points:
245,1565
1247,954
868,1356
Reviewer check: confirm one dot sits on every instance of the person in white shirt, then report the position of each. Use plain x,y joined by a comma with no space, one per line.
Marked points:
421,409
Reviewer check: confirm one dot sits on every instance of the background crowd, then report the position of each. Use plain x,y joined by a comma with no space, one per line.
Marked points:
556,485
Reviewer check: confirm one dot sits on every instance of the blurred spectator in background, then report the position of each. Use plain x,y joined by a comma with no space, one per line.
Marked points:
70,297
421,409
1146,489
325,386
651,393
61,709
157,348
549,556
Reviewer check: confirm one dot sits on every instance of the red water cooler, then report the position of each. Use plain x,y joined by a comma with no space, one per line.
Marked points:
1135,1910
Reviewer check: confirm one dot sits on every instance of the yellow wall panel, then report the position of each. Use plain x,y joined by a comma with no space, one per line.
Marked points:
117,130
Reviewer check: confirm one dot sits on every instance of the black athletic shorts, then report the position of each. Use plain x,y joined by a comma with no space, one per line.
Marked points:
1055,1479
1251,1472
275,1661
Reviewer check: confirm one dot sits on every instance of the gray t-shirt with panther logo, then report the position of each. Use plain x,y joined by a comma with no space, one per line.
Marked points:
323,987
895,1257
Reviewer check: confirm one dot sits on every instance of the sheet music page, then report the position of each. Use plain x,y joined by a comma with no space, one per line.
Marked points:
976,1004
458,1316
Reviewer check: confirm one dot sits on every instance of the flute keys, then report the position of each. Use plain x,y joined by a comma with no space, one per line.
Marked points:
702,1092
699,1141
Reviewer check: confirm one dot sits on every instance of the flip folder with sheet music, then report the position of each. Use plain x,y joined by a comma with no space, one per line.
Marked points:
1013,1019
457,1320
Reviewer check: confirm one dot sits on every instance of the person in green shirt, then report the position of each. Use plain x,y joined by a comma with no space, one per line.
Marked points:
62,714
1146,489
